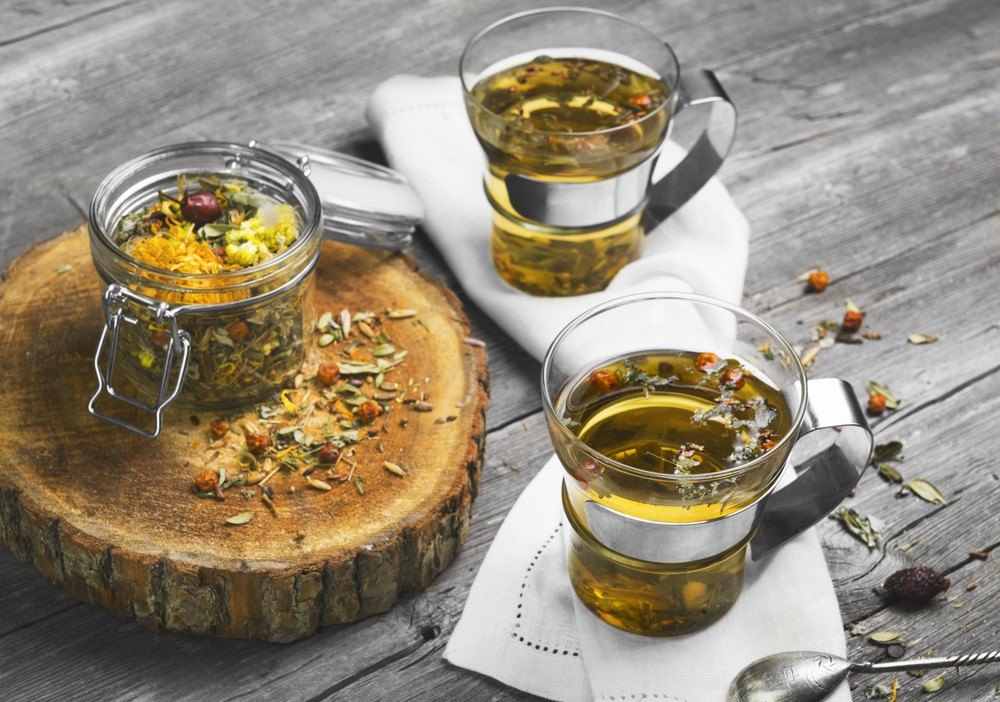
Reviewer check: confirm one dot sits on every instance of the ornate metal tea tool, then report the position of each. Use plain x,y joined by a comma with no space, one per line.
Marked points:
808,676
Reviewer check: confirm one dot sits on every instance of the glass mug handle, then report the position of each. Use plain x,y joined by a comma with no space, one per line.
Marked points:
827,478
698,88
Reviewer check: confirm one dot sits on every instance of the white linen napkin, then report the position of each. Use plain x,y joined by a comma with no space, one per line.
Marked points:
522,625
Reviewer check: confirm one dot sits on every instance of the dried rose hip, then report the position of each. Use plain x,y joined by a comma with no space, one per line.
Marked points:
159,337
852,320
587,471
201,207
238,330
818,280
603,381
733,378
206,480
706,360
257,442
328,454
367,411
328,373
916,585
219,428
876,403
641,100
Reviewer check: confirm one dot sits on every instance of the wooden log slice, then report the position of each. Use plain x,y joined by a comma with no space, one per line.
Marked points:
114,518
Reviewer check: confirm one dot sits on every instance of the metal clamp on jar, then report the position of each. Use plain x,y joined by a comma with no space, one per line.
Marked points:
163,329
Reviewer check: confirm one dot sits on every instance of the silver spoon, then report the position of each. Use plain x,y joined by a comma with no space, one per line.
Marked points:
808,676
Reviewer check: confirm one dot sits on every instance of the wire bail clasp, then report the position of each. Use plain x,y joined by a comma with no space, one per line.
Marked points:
114,301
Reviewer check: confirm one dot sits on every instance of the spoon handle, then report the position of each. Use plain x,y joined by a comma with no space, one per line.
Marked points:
917,664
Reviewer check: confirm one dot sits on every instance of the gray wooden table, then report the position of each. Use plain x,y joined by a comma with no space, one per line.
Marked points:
868,145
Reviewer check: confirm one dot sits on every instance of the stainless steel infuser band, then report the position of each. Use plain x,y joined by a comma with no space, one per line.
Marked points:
603,202
822,483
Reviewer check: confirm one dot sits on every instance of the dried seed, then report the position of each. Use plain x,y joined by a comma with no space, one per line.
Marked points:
325,340
934,685
345,322
384,396
401,314
980,555
241,518
423,406
445,420
394,469
270,504
917,339
926,491
884,637
324,321
318,484
389,387
366,330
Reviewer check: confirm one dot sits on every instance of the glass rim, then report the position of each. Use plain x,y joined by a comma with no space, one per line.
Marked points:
671,84
312,224
789,437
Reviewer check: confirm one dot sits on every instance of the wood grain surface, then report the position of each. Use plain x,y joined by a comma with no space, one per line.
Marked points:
868,145
111,516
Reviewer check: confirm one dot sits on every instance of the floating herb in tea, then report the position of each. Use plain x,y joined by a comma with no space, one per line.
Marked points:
671,412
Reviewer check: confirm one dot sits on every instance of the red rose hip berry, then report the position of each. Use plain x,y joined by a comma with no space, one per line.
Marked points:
201,207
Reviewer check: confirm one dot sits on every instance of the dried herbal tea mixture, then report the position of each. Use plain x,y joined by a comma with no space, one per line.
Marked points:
677,412
326,430
210,226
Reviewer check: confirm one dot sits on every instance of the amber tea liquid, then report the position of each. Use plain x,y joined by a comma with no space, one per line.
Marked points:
675,413
568,120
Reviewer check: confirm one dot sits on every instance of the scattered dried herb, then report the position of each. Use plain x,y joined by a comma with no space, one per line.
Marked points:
875,388
915,586
884,638
866,529
918,339
241,518
64,268
934,685
979,555
882,457
926,491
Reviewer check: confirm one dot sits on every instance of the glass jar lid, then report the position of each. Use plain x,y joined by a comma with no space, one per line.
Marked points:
363,202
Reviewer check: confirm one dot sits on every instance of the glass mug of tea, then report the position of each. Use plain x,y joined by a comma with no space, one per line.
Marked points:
674,416
572,106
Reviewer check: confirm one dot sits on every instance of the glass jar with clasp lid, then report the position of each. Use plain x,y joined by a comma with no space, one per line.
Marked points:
208,251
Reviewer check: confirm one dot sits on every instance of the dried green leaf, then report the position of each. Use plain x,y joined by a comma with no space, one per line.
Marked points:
866,529
359,485
325,340
885,637
64,268
889,451
934,685
918,339
383,350
878,389
926,491
241,518
888,473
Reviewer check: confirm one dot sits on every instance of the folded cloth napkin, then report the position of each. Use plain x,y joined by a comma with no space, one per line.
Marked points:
522,625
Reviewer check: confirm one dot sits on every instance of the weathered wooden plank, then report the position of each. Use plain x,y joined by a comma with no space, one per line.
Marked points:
862,148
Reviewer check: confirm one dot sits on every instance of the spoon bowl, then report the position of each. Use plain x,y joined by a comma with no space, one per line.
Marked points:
795,676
